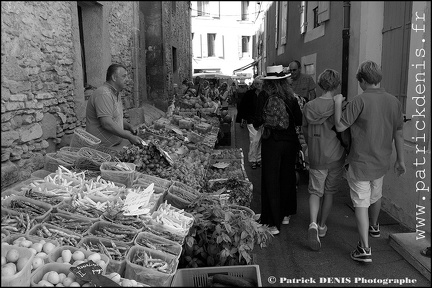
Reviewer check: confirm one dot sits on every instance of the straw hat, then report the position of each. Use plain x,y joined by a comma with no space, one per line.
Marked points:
275,72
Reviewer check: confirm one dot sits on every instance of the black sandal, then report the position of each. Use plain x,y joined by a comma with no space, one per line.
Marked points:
254,165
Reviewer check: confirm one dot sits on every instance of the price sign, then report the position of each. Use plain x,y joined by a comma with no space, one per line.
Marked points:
136,202
91,272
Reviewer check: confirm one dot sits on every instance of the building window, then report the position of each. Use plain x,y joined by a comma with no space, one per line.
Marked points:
211,39
174,59
245,46
244,10
203,8
315,19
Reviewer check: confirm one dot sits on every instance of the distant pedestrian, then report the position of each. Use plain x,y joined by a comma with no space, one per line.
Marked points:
375,119
279,149
302,84
249,107
326,155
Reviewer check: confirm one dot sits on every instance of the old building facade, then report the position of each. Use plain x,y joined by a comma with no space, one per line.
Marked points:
55,53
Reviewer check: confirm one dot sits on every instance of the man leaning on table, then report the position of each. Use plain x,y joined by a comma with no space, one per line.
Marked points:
104,113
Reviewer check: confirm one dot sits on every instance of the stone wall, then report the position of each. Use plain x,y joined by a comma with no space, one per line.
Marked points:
37,53
121,33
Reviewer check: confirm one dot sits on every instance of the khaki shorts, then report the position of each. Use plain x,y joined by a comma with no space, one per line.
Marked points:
364,193
326,181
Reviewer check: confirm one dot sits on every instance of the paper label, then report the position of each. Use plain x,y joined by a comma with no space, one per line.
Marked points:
136,202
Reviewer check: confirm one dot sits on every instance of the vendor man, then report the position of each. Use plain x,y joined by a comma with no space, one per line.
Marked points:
104,113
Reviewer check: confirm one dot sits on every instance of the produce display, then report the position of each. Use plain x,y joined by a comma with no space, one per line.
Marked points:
85,211
113,251
63,236
17,223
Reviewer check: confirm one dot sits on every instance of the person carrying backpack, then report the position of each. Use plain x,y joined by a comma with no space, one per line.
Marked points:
279,113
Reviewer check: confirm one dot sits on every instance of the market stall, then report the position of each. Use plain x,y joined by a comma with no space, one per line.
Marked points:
167,212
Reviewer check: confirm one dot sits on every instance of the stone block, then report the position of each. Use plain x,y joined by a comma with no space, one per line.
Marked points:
30,132
9,174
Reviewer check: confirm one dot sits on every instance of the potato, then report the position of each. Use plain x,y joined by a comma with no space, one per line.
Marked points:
8,269
12,255
21,263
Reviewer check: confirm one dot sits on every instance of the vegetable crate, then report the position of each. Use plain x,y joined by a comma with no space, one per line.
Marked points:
200,277
81,138
125,177
22,278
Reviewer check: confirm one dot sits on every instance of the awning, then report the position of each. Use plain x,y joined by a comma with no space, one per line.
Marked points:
211,76
246,67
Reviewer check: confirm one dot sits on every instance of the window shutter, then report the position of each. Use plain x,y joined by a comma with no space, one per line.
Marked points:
194,7
323,11
220,45
284,22
204,43
214,9
276,24
303,21
196,42
240,50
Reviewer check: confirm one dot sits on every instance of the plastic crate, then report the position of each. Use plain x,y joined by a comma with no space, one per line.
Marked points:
150,276
67,208
115,265
159,243
41,173
85,223
101,224
35,239
52,163
22,228
200,277
21,278
145,178
34,232
173,197
45,206
123,177
57,253
82,138
38,274
96,155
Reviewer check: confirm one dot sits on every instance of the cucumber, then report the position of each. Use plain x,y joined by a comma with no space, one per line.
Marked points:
232,280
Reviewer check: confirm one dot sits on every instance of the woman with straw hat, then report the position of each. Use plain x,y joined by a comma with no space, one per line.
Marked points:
279,148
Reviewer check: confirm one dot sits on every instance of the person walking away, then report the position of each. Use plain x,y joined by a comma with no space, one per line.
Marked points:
213,93
223,95
279,147
104,111
302,84
326,155
249,106
375,120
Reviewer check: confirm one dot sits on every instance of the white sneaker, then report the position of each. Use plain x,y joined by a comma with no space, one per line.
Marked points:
286,220
322,231
313,239
274,230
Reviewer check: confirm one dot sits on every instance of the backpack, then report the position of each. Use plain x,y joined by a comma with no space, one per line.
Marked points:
275,114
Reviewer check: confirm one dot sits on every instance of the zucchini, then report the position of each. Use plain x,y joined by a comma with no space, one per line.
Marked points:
233,281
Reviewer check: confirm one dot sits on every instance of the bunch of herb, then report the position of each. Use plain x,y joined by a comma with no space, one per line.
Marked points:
220,237
240,192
